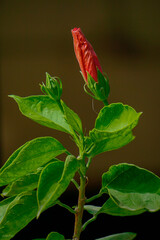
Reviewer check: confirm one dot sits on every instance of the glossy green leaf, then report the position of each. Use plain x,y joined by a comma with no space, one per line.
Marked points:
72,118
113,128
55,236
43,110
26,183
54,180
119,236
18,214
4,204
110,144
33,155
111,208
116,118
12,157
48,180
132,187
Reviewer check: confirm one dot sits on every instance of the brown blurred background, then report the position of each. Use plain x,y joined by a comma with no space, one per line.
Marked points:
36,38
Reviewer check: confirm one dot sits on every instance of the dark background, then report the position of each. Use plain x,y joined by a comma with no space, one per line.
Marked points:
36,38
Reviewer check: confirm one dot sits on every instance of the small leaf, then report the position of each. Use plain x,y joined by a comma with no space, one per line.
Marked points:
93,210
55,236
26,183
43,110
54,180
132,187
111,208
119,236
19,213
72,119
113,128
110,144
33,155
116,118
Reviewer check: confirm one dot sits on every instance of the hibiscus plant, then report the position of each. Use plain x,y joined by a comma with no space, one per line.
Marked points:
34,178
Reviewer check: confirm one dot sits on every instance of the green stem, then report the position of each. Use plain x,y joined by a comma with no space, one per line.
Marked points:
88,222
89,162
66,206
75,183
80,208
94,197
105,102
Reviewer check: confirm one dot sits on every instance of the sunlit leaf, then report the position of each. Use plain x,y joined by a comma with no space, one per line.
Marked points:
132,187
43,110
54,180
33,155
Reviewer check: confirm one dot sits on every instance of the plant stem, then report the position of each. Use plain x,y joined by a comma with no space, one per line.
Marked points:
105,102
65,206
75,183
89,221
94,197
80,208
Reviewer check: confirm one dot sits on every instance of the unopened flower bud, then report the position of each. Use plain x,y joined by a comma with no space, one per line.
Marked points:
53,87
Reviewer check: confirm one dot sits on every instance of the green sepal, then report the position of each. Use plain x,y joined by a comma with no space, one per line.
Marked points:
101,89
53,87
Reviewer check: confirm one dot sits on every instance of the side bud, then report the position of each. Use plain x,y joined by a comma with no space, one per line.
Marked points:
53,87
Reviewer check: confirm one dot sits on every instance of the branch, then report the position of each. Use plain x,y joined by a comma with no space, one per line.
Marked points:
94,197
89,221
65,206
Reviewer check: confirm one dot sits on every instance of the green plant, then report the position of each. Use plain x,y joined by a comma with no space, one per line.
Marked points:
34,177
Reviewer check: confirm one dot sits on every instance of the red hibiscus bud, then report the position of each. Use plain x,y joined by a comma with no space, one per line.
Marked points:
85,54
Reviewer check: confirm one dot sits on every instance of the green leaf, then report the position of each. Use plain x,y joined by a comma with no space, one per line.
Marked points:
110,144
93,210
48,180
72,119
113,128
12,157
26,183
119,236
18,214
54,180
4,204
43,110
111,208
132,187
33,155
116,118
55,236
52,236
